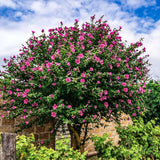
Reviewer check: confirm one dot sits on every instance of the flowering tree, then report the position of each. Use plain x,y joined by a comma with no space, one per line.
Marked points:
76,76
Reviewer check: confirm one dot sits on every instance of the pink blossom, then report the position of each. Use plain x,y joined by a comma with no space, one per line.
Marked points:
22,68
102,45
82,80
54,106
9,92
69,106
98,82
118,77
30,59
27,64
34,69
14,107
116,105
24,95
133,114
26,90
119,59
125,89
124,84
106,104
84,120
51,95
81,38
80,113
17,89
26,122
80,56
91,69
95,106
118,91
73,116
40,85
68,79
126,76
53,84
78,61
26,101
53,114
94,116
105,92
83,75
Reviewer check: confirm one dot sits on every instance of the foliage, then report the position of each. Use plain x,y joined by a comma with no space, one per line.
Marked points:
152,102
139,141
25,149
75,76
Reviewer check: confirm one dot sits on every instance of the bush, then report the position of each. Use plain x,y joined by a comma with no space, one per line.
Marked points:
25,149
76,75
152,102
139,141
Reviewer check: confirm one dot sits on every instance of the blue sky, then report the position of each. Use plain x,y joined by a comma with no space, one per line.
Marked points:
138,18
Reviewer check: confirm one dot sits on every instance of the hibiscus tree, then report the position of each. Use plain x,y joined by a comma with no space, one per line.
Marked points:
76,76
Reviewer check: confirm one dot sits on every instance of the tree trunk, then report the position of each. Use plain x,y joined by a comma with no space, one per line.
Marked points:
75,139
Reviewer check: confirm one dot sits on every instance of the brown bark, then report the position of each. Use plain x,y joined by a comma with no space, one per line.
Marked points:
75,139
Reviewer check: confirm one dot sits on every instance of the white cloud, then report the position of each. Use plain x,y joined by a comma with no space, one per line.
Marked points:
7,3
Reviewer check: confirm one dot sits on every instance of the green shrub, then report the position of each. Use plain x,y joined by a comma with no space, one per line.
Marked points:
138,141
25,149
152,102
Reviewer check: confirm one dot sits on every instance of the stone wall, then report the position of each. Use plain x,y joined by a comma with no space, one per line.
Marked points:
43,133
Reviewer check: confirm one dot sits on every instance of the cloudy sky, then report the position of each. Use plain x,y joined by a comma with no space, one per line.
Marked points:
138,18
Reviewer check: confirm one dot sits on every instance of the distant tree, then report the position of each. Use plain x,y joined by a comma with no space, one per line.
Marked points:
76,76
152,102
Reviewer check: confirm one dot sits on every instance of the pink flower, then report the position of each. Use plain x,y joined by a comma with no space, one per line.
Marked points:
69,106
126,76
78,61
48,65
30,59
51,95
91,69
53,114
133,114
40,85
14,107
24,95
26,122
81,38
9,92
124,84
26,90
73,116
106,104
27,64
102,45
98,82
26,101
53,84
55,106
68,79
125,89
105,92
84,120
94,116
83,75
80,113
116,105
119,59
80,56
82,80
